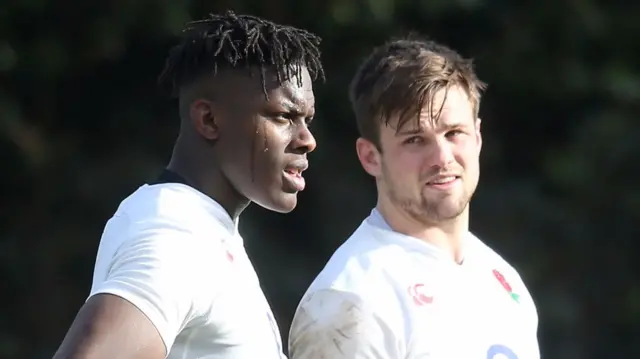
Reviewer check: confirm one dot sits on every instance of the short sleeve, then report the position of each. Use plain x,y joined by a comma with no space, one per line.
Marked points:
156,269
338,325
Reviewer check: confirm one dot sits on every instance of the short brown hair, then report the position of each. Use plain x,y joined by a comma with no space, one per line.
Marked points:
401,77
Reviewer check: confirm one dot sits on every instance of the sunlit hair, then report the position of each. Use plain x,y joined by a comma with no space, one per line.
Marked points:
400,79
237,41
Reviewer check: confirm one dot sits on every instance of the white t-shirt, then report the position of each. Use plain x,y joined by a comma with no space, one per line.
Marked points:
177,255
386,295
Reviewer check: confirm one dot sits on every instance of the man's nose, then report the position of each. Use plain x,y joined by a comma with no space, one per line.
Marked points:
442,154
304,141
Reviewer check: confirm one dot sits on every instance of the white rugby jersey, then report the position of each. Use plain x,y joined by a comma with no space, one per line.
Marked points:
385,295
177,255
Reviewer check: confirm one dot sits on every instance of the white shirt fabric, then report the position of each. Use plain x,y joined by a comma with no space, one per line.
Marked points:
176,255
383,295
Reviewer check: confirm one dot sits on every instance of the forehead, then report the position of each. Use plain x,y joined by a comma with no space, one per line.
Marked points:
296,88
445,108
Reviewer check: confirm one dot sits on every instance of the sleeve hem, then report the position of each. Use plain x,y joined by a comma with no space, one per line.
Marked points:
155,317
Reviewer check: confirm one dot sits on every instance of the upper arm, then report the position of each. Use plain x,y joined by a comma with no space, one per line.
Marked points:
143,302
338,325
108,326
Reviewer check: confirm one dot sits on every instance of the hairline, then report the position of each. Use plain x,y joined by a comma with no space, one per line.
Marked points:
397,118
206,85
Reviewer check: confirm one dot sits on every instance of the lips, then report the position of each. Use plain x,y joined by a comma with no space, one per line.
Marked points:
293,171
293,174
297,167
442,180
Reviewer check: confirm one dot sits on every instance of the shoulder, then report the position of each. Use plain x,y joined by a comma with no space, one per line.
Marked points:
161,224
505,273
490,257
355,266
355,280
168,202
167,211
328,306
338,324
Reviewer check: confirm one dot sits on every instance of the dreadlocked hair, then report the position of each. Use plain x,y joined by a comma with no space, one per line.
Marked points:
230,40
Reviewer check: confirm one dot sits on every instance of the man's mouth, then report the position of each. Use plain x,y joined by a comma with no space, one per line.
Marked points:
293,174
295,179
443,180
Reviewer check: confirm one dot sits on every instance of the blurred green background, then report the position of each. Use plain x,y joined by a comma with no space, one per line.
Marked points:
82,124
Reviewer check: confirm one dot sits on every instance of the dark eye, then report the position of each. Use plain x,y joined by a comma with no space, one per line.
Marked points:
283,117
454,133
413,140
308,121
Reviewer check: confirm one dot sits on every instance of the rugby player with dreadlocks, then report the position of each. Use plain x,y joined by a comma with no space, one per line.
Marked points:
172,278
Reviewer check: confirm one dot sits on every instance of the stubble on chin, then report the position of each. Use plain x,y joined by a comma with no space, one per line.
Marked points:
430,210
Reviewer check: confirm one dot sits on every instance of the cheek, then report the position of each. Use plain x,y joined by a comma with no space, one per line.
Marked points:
412,162
269,145
467,153
404,167
235,149
240,135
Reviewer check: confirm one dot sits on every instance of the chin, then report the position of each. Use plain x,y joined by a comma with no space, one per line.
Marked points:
281,203
450,210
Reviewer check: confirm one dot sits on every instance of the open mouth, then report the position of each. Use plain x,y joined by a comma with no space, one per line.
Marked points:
443,180
294,178
293,172
443,183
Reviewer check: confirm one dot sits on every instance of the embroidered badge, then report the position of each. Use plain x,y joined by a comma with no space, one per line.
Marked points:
506,286
416,292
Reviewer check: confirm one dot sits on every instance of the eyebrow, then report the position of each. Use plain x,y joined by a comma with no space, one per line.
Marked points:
291,105
292,108
414,131
294,103
440,126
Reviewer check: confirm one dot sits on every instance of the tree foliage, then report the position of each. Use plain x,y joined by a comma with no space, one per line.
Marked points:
82,125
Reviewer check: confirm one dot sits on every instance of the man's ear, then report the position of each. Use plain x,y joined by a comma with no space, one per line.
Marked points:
479,133
369,156
204,119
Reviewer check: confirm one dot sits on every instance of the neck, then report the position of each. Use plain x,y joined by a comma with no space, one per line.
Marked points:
447,235
201,173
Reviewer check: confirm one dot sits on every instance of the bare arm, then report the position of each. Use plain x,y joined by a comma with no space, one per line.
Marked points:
109,327
140,305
